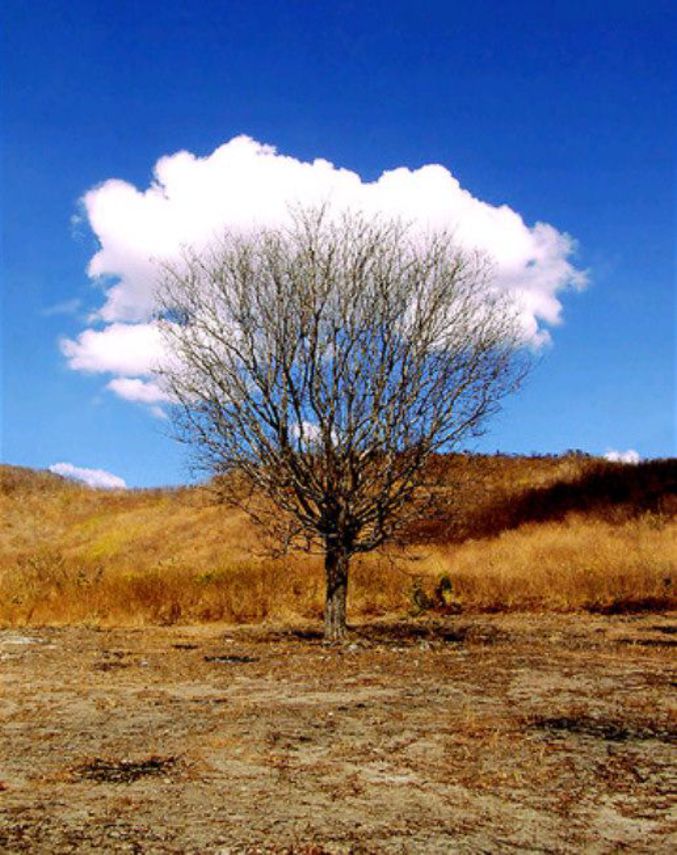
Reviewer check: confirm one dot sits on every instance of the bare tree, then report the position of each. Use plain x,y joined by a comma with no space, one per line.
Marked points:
321,365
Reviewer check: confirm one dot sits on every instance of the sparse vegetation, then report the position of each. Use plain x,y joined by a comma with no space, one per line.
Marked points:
552,533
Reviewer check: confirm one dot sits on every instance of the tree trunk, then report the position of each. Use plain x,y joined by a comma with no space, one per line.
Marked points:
336,570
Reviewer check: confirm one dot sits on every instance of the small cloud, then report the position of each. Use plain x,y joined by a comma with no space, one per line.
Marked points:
129,350
92,477
309,433
68,307
629,456
142,392
306,431
139,391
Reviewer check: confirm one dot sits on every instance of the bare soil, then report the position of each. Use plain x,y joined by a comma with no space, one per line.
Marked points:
506,733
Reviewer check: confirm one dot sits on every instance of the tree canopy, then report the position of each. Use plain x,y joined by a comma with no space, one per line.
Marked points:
320,365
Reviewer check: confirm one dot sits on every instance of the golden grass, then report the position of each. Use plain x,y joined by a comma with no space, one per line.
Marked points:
69,554
576,564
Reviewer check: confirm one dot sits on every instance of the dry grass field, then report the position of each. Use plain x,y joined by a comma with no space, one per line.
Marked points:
554,533
507,685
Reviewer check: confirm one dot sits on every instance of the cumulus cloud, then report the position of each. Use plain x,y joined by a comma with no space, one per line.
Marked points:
123,349
242,184
629,456
91,477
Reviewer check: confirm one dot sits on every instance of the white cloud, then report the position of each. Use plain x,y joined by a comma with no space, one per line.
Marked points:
129,350
307,432
192,200
140,391
91,477
629,456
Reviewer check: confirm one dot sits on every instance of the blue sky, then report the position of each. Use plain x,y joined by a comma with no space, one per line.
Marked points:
561,111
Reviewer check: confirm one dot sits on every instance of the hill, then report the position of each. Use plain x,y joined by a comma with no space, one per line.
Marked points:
556,533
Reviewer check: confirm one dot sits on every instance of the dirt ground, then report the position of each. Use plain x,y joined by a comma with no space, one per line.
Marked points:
511,733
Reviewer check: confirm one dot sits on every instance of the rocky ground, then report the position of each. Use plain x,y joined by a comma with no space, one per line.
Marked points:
492,734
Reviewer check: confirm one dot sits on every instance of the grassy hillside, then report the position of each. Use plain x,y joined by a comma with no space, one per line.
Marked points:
554,533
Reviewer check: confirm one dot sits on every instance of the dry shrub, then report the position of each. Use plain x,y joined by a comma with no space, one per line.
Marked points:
244,592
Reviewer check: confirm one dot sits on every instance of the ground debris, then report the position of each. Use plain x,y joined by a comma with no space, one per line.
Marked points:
123,771
602,728
650,642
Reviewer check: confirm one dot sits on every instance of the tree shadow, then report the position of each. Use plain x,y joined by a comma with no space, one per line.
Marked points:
404,633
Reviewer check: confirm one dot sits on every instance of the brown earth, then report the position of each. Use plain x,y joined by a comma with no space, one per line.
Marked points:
506,733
